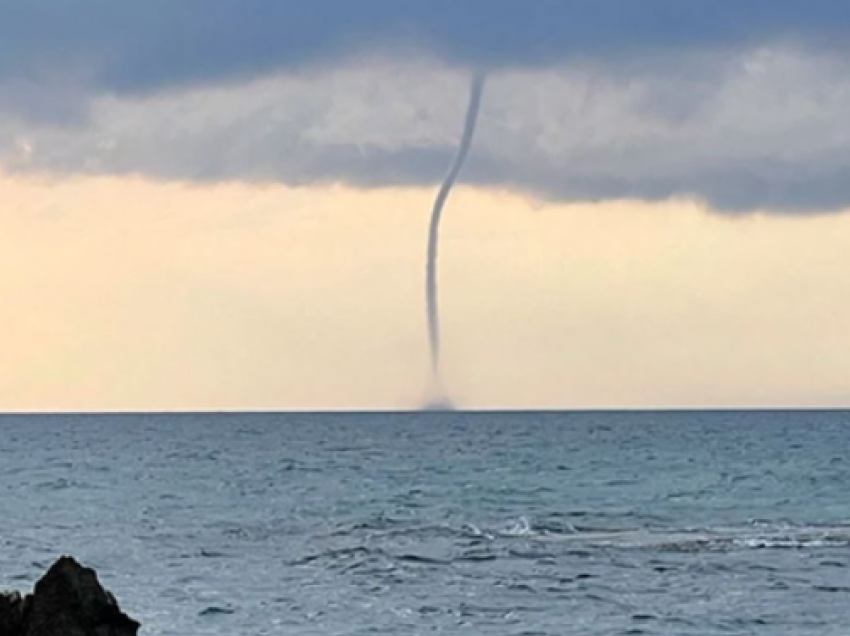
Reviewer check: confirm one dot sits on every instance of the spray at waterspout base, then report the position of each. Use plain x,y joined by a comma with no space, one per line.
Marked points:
437,398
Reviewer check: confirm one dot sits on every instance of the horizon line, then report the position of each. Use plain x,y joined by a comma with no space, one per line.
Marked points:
426,411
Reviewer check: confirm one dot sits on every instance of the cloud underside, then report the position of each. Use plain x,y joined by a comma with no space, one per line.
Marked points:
121,46
743,119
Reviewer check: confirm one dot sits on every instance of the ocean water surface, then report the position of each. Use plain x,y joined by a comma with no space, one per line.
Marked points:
672,523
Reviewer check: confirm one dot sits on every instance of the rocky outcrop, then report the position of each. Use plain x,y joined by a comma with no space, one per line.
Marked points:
11,614
68,601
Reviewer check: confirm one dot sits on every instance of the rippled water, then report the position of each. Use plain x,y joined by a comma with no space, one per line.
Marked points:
447,523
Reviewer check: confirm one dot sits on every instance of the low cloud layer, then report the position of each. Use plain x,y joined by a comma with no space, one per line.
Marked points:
764,129
139,46
740,105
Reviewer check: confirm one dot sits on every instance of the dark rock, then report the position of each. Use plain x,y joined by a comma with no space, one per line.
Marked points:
11,614
68,601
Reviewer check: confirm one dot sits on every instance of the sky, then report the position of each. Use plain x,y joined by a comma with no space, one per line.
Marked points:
211,204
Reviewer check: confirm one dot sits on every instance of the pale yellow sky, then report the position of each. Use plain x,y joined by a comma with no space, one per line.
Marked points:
126,294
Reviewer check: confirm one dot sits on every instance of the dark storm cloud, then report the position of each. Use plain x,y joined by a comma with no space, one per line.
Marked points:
153,43
741,104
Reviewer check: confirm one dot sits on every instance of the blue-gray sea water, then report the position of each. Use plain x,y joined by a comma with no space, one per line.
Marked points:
441,523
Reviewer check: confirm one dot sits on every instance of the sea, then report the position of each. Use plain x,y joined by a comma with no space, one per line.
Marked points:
484,523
